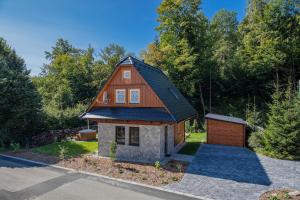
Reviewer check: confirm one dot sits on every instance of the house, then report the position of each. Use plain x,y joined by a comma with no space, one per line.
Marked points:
140,110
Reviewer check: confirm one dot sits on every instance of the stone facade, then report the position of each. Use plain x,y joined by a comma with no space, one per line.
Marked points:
150,149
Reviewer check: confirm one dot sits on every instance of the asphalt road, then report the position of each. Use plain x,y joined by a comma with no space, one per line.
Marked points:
22,180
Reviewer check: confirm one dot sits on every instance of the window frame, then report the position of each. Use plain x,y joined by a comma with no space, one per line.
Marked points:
129,72
116,96
116,135
138,137
139,96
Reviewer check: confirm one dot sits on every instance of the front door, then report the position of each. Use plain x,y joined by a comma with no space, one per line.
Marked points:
166,140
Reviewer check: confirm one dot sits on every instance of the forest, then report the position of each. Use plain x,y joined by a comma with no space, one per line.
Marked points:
248,69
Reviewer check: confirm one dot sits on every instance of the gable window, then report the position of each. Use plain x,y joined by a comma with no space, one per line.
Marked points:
134,95
127,74
120,134
120,95
134,136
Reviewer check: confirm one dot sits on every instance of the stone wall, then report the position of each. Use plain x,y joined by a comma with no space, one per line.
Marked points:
151,146
170,139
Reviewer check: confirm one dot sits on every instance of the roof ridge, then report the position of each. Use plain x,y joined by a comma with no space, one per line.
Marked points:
148,65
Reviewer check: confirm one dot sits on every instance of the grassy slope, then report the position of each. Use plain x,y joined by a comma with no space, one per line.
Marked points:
73,148
193,142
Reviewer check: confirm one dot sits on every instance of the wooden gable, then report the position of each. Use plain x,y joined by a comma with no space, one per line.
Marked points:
148,98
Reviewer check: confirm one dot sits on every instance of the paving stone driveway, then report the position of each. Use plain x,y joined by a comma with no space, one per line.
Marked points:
222,172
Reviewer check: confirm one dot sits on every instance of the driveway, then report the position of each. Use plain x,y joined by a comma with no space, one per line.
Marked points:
223,172
22,180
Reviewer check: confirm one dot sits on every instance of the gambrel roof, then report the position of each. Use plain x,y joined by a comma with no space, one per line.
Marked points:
177,106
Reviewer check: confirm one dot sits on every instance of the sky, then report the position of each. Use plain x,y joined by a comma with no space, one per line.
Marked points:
31,27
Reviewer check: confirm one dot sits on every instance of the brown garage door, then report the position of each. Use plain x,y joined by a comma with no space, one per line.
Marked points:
225,133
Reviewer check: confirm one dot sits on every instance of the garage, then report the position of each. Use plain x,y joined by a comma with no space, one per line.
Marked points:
225,130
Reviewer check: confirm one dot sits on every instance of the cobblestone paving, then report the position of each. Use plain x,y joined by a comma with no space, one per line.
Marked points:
233,173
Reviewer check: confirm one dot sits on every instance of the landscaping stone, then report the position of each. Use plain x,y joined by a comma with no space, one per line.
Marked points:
294,193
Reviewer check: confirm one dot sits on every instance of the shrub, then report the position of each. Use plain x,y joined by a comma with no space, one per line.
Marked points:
62,152
286,195
157,165
256,140
53,136
15,146
4,137
273,198
179,167
113,151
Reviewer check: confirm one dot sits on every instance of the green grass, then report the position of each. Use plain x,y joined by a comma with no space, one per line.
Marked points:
74,149
193,141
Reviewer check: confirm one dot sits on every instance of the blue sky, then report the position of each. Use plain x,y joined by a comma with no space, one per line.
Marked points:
32,26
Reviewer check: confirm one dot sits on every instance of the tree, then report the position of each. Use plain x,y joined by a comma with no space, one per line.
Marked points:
270,38
61,47
20,103
281,137
112,54
224,36
182,47
69,82
153,55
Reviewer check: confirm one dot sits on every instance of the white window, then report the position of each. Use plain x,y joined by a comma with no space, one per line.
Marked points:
120,95
127,74
134,95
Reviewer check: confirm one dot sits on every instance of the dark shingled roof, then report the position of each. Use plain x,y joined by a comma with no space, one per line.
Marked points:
179,108
145,114
175,102
225,118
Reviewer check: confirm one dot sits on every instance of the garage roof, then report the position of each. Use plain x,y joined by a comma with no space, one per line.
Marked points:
225,118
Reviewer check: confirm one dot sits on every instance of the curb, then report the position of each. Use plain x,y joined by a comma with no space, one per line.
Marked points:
113,181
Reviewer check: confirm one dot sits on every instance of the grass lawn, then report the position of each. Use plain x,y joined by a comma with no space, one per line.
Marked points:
73,148
193,141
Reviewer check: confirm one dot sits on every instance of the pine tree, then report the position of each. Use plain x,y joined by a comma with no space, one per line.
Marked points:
281,137
20,103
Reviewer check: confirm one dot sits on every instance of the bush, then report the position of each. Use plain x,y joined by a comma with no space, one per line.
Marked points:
113,151
53,136
15,146
62,152
256,140
157,165
179,167
56,118
4,138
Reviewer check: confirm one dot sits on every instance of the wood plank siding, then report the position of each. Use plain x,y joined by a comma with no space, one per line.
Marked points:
147,96
179,130
225,133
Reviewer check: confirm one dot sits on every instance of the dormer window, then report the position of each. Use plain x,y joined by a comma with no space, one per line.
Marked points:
120,95
127,74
